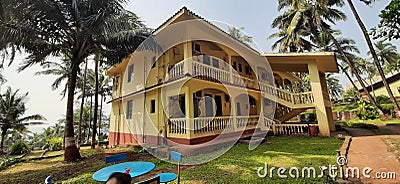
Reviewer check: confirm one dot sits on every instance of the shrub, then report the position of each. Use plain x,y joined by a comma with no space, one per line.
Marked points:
19,148
55,143
386,108
6,161
382,99
365,110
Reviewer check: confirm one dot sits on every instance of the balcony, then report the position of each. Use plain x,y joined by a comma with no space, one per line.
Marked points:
191,67
194,68
208,126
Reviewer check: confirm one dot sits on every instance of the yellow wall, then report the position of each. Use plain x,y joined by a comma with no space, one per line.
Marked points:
393,86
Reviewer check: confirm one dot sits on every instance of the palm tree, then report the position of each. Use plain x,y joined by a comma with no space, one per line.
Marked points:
374,55
318,12
297,25
83,88
61,70
293,34
96,99
75,29
325,43
12,109
387,54
105,90
335,89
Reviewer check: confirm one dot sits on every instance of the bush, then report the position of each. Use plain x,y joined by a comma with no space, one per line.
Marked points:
382,99
6,161
55,143
19,148
365,110
386,108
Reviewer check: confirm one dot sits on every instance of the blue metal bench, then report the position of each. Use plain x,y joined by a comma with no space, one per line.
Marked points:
115,158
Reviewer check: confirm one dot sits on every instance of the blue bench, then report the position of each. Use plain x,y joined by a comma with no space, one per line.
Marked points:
115,158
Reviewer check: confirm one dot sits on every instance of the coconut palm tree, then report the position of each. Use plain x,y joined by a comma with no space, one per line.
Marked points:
325,43
335,89
373,53
75,29
61,70
387,55
297,29
319,14
12,110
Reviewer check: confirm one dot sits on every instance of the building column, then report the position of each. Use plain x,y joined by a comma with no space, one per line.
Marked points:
230,68
321,100
189,112
187,57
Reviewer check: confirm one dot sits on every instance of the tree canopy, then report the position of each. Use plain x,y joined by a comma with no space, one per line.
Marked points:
389,26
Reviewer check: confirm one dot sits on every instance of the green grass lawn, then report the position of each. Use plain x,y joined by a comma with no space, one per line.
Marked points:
376,121
238,165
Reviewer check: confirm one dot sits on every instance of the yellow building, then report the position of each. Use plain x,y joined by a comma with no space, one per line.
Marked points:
198,89
376,87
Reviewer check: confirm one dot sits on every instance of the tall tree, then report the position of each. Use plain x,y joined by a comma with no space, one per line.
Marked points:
96,99
374,56
12,110
61,70
335,89
76,29
83,88
320,13
389,25
324,43
387,55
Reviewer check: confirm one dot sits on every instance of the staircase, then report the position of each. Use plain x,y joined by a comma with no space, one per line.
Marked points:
288,105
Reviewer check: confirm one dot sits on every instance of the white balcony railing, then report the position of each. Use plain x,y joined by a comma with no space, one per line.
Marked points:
303,98
204,125
207,72
291,129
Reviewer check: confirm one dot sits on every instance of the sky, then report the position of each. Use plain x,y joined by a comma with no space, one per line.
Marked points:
255,15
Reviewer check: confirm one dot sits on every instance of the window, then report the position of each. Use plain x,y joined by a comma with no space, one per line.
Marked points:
197,48
248,70
153,106
129,109
206,60
234,66
130,73
240,68
215,62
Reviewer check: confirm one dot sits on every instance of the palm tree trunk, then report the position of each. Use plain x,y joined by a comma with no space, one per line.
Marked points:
100,117
71,151
90,118
96,99
3,136
351,64
375,57
82,103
